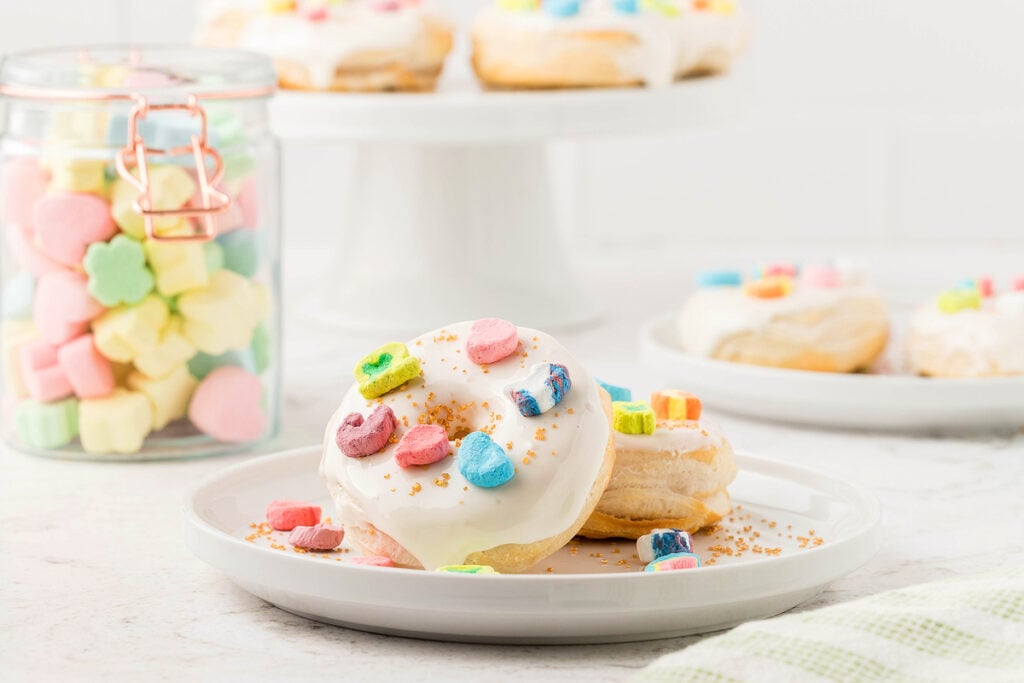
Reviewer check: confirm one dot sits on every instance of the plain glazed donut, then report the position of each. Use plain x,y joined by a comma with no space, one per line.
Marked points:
778,321
968,334
524,44
433,515
358,45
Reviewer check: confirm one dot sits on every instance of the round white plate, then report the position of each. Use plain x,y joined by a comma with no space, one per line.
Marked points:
860,401
793,531
461,112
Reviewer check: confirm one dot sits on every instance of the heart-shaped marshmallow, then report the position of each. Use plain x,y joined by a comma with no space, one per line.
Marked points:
68,222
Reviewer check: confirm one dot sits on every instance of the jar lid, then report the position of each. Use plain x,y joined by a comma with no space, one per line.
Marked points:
123,73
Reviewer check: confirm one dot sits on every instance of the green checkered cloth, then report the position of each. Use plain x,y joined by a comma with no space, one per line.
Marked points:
965,629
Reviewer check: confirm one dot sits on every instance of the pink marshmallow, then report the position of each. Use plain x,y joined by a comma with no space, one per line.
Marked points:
422,445
285,515
27,254
227,405
63,306
357,437
823,277
1018,284
248,200
318,537
986,287
44,379
23,182
67,223
779,269
90,374
491,340
372,561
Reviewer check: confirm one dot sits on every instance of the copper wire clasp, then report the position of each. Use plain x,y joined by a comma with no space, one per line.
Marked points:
135,153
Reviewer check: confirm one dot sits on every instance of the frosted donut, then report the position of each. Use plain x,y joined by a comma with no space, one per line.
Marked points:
356,45
782,322
674,478
602,43
975,336
431,516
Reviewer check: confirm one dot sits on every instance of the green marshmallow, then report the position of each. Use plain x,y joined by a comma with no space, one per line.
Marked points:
117,271
633,417
46,425
241,251
214,255
260,348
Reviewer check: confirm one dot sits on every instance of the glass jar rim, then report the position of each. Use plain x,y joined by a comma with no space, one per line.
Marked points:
134,72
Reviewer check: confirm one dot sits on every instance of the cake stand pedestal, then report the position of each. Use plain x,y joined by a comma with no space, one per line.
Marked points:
451,212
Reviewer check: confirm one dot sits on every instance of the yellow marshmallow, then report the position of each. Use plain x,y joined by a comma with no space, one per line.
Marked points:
178,266
122,334
116,424
222,317
77,175
172,350
16,334
171,188
168,396
82,126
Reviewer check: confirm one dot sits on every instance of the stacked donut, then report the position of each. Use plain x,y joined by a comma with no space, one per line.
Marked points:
401,45
484,446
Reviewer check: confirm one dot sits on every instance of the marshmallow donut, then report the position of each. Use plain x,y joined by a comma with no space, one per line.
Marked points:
674,477
355,45
602,43
490,401
965,333
822,321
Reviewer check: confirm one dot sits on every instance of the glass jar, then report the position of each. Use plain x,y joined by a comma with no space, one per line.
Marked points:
140,220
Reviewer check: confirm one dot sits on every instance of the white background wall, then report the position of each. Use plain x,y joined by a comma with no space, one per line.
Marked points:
871,123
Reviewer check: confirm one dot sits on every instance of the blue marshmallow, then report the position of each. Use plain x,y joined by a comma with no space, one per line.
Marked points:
663,542
617,393
719,278
562,8
483,463
18,295
241,251
543,389
626,6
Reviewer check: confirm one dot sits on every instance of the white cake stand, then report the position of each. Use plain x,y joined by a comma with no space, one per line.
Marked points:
451,213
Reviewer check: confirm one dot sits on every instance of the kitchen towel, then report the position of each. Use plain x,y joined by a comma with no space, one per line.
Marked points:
969,629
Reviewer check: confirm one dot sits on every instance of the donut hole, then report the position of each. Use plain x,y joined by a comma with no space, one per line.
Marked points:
460,415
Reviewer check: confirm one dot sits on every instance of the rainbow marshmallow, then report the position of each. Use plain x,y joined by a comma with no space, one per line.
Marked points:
671,404
674,562
662,543
543,389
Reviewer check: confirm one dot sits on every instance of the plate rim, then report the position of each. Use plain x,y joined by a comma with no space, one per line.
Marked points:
863,500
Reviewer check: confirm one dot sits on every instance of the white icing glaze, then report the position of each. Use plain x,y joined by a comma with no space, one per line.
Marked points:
988,340
667,45
351,28
712,315
442,525
674,437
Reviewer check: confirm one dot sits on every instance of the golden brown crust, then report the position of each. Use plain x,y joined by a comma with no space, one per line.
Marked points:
652,489
578,60
845,350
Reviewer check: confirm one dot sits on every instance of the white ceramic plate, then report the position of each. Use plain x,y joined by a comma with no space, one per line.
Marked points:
590,592
859,401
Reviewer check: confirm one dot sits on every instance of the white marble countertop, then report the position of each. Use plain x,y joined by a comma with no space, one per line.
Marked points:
96,583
